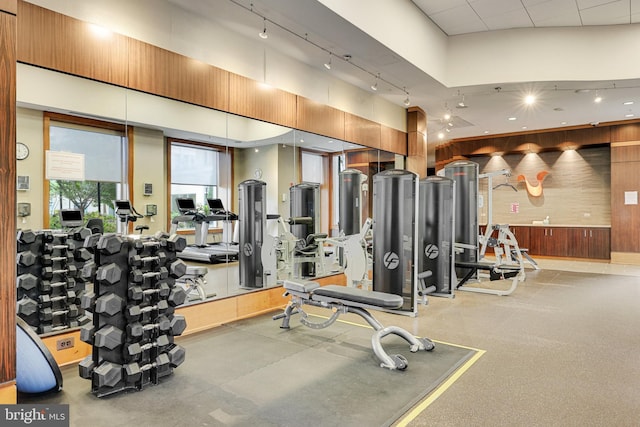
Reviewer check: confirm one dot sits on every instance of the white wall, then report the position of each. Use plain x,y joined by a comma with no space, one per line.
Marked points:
29,130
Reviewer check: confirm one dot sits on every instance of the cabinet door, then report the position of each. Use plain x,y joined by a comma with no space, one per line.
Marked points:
556,241
599,243
537,241
522,235
578,242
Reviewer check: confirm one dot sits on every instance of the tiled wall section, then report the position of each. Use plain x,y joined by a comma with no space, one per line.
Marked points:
577,190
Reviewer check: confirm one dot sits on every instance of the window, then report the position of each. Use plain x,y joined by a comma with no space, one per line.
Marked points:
195,173
105,170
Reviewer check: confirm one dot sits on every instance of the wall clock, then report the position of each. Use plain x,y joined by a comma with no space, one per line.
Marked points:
22,151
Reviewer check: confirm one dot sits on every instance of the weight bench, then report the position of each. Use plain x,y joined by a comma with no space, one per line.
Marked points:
342,300
193,283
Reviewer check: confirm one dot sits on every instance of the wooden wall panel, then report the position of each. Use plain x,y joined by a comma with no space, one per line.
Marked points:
625,219
8,33
319,118
393,140
362,131
625,132
58,42
249,98
9,6
625,152
161,72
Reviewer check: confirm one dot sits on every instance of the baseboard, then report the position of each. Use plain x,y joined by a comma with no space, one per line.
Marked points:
8,393
631,258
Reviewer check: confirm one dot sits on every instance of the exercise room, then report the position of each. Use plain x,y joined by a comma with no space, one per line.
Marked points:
249,213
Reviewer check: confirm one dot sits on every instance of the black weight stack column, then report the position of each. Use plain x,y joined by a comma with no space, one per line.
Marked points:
435,233
305,201
350,204
252,221
465,175
394,235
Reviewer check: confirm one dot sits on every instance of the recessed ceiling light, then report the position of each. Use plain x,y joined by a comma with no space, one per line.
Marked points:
597,99
440,135
447,116
563,123
558,109
524,127
486,131
627,103
512,118
629,115
529,99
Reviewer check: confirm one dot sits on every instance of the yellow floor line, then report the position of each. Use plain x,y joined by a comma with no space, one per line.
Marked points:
417,410
440,390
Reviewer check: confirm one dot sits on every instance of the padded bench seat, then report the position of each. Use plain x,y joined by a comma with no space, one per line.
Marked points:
372,298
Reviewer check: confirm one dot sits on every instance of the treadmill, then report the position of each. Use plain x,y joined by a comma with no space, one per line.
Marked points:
201,251
217,212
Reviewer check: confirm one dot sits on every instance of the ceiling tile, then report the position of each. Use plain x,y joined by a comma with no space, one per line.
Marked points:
459,20
435,6
616,12
586,4
554,13
514,19
487,8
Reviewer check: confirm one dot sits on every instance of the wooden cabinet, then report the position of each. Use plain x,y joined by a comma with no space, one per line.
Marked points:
522,235
599,243
575,242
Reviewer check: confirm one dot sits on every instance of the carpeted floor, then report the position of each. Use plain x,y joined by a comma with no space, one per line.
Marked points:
252,373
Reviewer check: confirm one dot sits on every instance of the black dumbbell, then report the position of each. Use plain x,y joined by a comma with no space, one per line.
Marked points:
49,272
133,371
133,312
48,301
136,293
26,306
107,374
86,333
26,282
86,367
175,243
135,350
178,324
109,304
178,268
109,274
108,337
82,254
138,276
137,329
50,247
81,233
109,244
177,296
26,258
88,270
48,259
47,286
26,236
176,355
87,300
148,261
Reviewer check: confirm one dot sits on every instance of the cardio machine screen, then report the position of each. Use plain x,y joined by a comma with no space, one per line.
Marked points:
185,205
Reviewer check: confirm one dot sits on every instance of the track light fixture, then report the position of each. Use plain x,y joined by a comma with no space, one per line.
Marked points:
305,37
407,100
374,86
598,98
327,65
263,34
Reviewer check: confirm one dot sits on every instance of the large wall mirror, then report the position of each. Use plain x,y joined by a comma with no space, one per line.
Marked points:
286,179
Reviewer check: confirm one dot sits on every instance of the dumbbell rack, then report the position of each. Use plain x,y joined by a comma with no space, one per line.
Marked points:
51,277
133,304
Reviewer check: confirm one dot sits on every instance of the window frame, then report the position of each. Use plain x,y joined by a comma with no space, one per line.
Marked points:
127,132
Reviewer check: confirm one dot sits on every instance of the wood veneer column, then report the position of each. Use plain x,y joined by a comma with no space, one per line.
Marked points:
417,141
8,32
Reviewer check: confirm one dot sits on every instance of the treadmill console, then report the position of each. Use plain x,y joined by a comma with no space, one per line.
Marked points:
70,218
186,206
